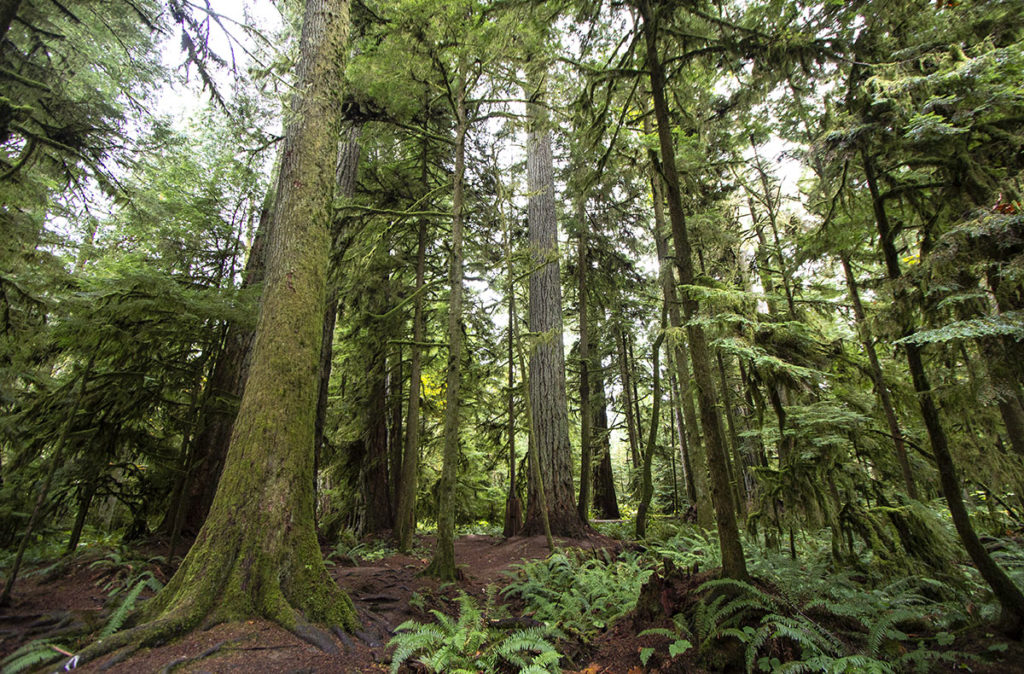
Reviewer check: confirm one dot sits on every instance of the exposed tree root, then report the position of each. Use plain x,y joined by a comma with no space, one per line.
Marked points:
205,654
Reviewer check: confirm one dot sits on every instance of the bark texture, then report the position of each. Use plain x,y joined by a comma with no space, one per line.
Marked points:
257,554
550,418
443,564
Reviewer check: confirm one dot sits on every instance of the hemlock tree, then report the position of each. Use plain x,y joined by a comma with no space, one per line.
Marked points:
257,554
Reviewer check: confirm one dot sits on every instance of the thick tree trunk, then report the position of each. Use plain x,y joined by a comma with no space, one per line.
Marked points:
257,554
550,431
443,564
405,518
879,381
733,563
1009,596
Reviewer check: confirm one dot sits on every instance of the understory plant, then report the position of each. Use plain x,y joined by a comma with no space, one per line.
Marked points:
472,643
580,595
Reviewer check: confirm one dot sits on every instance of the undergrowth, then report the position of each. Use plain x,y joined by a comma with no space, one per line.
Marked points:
579,594
470,643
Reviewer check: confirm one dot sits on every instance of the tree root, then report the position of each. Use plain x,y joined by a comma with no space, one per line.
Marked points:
205,654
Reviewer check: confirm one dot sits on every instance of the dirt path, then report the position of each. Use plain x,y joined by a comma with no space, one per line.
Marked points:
387,592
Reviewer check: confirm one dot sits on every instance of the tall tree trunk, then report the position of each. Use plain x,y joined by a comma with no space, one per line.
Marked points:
586,439
605,504
550,431
405,519
695,458
684,449
376,515
513,504
443,564
395,426
646,482
257,554
879,380
738,467
626,400
1009,596
733,563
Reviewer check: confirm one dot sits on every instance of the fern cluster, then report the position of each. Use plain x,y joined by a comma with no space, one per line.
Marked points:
779,635
579,595
470,644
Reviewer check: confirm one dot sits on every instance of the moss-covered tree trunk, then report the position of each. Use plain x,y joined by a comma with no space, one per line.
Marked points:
443,564
225,388
733,563
257,553
694,458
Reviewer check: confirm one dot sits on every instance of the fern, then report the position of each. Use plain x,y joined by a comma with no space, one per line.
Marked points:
31,656
468,644
145,580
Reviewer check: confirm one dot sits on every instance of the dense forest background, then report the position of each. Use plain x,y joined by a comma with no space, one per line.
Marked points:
742,282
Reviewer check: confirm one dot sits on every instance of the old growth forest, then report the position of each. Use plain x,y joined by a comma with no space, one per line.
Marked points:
512,336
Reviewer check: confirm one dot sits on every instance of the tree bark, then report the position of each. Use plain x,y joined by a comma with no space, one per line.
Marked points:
443,564
550,431
733,563
626,401
695,458
605,504
586,439
405,519
646,482
257,554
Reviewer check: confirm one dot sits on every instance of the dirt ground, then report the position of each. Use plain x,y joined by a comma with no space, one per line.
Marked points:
381,590
386,591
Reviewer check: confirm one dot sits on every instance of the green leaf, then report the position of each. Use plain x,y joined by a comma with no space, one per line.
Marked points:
678,647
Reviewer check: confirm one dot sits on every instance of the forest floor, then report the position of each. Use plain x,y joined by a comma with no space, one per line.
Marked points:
387,591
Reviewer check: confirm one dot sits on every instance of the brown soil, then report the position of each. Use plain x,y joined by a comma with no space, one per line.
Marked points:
381,589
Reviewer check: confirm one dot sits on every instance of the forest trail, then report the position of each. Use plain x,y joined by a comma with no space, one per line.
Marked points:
387,591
